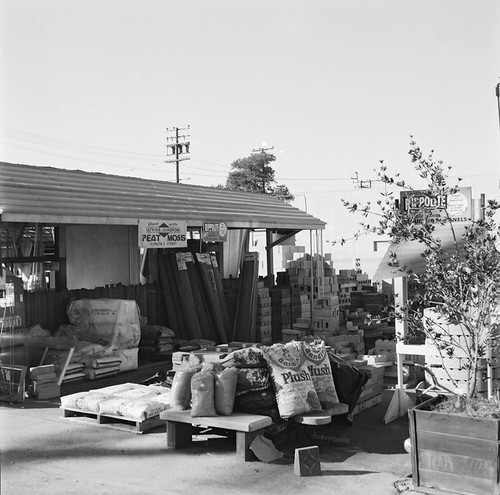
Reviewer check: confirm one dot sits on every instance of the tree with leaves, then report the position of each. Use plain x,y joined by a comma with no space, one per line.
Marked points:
255,174
461,288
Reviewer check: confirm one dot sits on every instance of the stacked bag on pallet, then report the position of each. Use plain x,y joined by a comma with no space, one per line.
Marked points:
130,400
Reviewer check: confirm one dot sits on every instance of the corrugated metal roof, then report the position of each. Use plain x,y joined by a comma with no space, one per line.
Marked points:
410,253
52,195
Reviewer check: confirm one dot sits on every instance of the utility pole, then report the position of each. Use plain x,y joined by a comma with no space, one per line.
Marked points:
361,184
262,150
177,145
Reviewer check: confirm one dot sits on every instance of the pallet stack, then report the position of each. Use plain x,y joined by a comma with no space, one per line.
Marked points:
326,316
44,382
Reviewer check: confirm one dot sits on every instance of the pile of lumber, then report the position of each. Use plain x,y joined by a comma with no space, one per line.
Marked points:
194,296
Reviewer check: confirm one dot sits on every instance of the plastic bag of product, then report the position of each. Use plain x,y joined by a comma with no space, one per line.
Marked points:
181,388
258,402
203,394
225,391
252,379
294,388
249,357
318,363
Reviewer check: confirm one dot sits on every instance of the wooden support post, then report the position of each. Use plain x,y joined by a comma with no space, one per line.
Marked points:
401,328
179,435
243,441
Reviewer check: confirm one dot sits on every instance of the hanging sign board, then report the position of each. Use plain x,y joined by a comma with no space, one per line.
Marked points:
214,231
162,233
458,205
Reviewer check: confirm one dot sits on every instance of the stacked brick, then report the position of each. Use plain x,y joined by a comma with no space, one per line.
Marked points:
326,316
281,311
347,283
264,317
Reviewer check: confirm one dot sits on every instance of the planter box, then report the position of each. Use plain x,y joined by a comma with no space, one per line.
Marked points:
453,453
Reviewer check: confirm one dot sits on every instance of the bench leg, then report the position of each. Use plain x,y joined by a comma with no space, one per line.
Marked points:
243,441
179,435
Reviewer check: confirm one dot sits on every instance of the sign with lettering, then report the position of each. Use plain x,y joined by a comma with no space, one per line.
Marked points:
458,206
162,233
214,231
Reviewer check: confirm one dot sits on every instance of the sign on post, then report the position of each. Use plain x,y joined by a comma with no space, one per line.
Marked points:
162,233
457,206
214,231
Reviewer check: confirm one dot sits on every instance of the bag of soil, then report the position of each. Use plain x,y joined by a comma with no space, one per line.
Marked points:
320,369
203,394
225,391
294,388
181,388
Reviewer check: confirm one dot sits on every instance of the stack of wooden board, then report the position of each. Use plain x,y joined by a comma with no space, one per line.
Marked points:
246,312
194,296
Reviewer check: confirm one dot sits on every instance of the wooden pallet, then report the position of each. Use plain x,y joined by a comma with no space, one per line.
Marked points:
113,421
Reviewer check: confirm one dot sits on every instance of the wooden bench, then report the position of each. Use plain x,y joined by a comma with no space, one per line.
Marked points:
247,426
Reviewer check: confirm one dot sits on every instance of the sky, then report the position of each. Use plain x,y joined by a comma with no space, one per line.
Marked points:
330,87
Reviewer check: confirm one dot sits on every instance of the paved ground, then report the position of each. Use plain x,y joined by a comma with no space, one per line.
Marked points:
43,453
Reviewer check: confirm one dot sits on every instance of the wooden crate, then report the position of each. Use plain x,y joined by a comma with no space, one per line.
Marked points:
453,453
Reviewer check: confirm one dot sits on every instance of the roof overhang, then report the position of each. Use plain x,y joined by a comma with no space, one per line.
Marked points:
410,253
59,196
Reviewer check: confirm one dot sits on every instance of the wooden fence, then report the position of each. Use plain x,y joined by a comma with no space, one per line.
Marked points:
48,308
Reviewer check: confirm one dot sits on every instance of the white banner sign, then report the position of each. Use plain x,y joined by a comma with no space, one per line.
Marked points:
162,233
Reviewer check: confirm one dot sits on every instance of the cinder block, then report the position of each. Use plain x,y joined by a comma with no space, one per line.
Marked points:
307,461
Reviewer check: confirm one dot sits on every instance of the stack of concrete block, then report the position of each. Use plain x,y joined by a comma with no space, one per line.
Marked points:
362,280
341,346
301,328
347,284
281,311
326,314
355,338
264,323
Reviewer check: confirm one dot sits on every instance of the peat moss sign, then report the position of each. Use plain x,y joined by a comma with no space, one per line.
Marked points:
162,233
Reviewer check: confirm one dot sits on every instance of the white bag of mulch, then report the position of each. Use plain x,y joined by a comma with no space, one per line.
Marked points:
203,394
92,400
164,398
71,401
111,406
181,388
319,367
140,409
294,388
225,391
